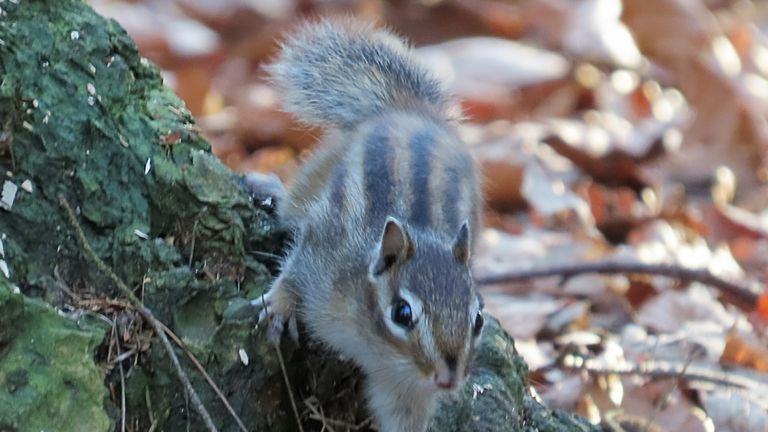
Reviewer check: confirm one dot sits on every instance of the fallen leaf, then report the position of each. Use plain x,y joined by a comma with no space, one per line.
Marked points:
565,392
594,32
762,305
550,195
521,317
695,340
501,151
740,352
489,75
676,413
732,411
728,125
670,311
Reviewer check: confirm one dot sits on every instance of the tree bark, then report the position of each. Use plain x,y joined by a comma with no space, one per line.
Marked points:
84,117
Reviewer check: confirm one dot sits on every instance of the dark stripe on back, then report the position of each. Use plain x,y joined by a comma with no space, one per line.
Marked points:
421,153
453,181
338,188
458,176
378,166
339,198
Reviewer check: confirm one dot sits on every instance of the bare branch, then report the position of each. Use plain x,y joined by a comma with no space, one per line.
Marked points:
740,296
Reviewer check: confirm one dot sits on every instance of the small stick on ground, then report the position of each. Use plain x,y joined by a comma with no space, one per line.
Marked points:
207,377
316,413
143,310
740,296
122,377
150,412
674,385
288,386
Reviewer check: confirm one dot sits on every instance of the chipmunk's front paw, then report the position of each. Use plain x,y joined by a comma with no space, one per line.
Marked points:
278,311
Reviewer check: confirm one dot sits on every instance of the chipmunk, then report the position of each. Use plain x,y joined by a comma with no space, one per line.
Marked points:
384,216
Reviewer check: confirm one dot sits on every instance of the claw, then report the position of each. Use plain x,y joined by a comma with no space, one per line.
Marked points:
277,310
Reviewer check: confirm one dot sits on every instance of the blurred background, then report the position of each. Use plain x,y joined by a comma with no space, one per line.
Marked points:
626,131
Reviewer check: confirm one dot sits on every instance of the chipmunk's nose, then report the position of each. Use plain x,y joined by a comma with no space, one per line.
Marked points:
445,374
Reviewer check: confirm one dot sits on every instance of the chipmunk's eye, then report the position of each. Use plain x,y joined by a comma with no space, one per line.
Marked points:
402,314
478,326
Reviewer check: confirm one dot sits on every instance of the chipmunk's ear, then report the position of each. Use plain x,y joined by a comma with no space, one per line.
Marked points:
461,244
395,246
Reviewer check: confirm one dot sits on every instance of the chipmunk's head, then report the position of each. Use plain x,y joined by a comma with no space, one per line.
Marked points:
430,315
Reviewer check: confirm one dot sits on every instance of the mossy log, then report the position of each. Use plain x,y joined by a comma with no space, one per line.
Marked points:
85,118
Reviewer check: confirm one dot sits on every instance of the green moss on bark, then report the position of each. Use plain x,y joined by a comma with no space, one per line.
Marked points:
84,116
46,368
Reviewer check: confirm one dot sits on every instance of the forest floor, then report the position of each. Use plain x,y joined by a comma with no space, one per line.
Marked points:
625,150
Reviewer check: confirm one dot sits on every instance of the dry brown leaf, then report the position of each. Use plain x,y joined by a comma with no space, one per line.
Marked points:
260,121
565,392
672,310
740,352
550,196
639,292
537,355
281,161
700,340
502,18
676,413
574,316
501,151
728,127
755,224
499,252
662,242
762,305
491,76
231,14
521,317
617,211
594,32
142,23
611,149
587,286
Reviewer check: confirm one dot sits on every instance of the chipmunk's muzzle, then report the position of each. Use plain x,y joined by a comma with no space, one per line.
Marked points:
446,376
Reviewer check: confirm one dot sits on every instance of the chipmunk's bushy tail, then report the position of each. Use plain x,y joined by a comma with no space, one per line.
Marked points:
340,73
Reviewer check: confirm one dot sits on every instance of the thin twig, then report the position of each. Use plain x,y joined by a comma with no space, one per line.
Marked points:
675,384
124,355
316,413
192,247
122,378
143,310
191,357
150,412
285,376
738,295
288,386
207,377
